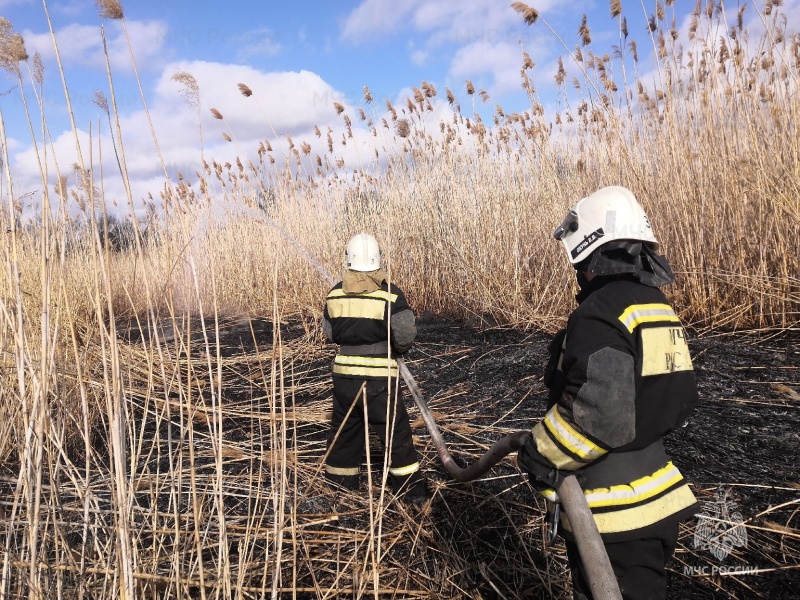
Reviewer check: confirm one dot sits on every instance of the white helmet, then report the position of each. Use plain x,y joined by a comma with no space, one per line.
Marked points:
611,213
363,253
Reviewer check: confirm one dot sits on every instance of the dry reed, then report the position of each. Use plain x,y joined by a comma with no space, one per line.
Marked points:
146,454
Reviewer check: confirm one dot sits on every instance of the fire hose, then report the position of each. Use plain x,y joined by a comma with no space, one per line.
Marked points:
593,554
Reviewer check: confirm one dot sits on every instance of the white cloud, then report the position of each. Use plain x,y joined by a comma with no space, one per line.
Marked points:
479,36
12,144
290,100
70,8
468,21
450,20
75,41
83,44
282,103
501,60
372,18
258,42
419,57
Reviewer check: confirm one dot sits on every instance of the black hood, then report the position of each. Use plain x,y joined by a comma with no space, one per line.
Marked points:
634,259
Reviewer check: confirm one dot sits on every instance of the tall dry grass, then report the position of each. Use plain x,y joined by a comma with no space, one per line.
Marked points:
146,455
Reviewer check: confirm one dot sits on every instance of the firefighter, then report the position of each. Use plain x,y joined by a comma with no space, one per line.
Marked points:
620,378
372,323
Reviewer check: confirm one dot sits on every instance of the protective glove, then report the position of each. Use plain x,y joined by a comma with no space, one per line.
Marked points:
542,472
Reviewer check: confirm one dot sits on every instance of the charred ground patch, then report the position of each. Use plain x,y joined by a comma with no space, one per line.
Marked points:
227,442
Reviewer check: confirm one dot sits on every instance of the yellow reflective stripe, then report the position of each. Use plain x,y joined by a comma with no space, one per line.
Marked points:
550,494
637,491
342,470
550,450
637,517
356,307
637,314
364,361
356,371
567,436
402,471
379,294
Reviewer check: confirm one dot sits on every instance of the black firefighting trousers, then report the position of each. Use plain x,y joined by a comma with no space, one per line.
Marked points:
639,565
345,456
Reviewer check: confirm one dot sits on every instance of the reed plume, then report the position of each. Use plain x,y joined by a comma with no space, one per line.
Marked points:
38,68
529,15
110,9
190,90
527,61
402,128
583,31
12,48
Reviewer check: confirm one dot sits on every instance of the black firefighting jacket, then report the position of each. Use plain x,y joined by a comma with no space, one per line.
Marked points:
359,324
620,379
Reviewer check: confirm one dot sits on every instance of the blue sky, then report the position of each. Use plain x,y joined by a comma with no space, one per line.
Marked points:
298,57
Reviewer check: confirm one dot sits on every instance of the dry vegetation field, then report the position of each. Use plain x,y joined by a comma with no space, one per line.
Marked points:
165,385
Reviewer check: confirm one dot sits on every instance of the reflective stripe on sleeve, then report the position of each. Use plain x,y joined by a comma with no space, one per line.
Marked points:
552,451
550,494
637,314
562,444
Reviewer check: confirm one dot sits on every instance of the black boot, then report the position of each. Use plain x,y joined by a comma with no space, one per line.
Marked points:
349,482
413,489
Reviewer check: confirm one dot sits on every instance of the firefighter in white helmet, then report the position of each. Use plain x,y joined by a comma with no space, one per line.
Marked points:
373,324
620,378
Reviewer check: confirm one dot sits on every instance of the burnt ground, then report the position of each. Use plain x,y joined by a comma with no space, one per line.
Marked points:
485,539
482,539
742,441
